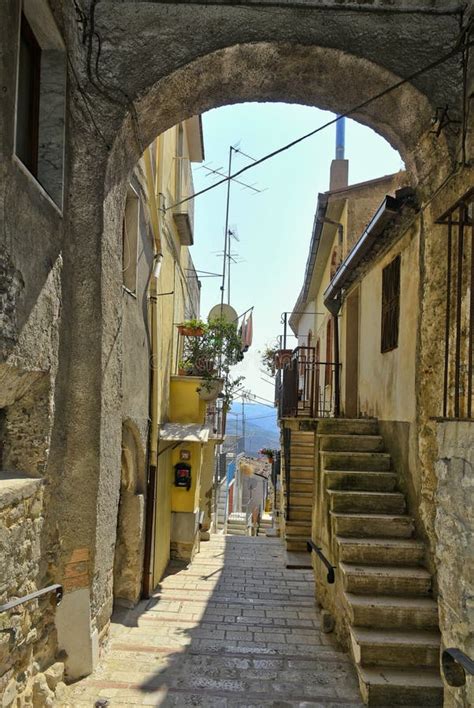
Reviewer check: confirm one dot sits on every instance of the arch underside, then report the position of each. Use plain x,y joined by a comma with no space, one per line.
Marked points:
326,78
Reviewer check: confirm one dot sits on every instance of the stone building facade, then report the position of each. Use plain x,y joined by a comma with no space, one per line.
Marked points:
115,75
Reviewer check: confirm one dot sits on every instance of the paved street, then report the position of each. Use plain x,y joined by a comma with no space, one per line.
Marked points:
235,629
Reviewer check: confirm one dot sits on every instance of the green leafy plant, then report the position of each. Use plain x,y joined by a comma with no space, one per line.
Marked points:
230,388
192,328
211,355
267,452
268,359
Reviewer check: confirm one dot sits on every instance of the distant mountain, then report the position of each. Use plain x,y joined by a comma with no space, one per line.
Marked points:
261,427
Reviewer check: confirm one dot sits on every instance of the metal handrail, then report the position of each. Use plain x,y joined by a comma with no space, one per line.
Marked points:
456,664
56,588
311,546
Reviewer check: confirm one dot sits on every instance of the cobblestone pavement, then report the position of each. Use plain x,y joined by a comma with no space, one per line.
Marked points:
235,629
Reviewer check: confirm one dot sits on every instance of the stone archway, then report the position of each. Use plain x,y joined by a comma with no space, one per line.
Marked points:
157,67
260,71
129,544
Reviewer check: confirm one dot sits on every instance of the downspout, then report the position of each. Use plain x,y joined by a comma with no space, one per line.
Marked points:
337,383
152,190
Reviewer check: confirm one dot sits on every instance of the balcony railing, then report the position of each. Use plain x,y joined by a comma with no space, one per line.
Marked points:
307,387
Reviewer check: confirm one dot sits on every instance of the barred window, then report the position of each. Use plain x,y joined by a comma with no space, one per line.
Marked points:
390,305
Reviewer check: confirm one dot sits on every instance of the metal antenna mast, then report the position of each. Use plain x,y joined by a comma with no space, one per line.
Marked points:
226,229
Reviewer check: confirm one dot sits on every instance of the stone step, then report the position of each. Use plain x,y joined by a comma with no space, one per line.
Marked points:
395,647
300,513
383,686
355,443
236,532
393,551
387,611
296,543
298,528
385,579
367,525
348,426
304,453
366,502
301,498
301,485
364,461
302,461
306,443
367,481
302,472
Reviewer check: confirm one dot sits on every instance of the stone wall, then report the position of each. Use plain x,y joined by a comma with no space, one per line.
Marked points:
26,631
454,526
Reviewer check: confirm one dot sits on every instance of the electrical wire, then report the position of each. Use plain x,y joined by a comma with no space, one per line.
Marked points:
458,47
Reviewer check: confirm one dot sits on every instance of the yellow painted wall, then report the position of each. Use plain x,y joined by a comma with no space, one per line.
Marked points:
207,479
387,381
162,517
185,404
164,312
181,498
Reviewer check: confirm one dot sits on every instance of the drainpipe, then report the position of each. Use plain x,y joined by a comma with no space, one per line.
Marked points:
152,190
337,384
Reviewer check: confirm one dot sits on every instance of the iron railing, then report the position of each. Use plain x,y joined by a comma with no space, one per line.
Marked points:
56,589
311,546
307,387
459,309
456,664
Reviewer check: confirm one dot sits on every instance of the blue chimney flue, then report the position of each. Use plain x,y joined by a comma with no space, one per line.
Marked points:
340,138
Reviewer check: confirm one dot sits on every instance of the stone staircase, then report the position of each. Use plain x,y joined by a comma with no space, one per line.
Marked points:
221,504
387,593
298,525
237,524
266,523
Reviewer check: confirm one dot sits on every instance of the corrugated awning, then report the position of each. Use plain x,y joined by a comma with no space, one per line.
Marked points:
185,432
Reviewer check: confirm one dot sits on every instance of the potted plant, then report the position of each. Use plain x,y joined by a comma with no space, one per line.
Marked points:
211,356
268,453
192,328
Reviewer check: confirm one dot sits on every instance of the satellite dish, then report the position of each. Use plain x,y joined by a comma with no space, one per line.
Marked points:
225,311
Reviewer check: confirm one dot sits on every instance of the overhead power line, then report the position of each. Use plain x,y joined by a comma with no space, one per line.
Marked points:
458,47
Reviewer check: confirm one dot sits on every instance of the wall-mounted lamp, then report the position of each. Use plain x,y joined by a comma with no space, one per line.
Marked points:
157,265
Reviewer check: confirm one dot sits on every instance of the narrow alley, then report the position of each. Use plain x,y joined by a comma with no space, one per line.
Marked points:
234,628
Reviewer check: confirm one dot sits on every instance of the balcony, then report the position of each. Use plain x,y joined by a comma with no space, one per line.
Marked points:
306,387
183,214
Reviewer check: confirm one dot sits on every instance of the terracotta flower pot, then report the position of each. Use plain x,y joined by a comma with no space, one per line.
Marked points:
190,331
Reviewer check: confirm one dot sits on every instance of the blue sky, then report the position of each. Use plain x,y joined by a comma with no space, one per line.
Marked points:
274,227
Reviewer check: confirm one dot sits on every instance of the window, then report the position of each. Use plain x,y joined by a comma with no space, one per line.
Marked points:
390,305
41,94
130,240
28,98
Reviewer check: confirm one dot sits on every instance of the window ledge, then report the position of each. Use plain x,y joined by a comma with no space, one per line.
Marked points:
15,486
16,161
129,292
